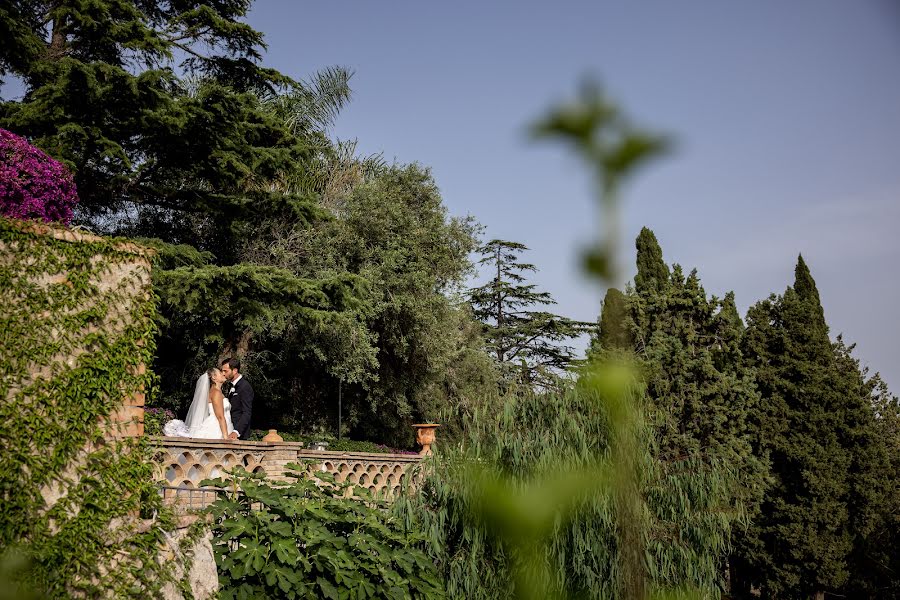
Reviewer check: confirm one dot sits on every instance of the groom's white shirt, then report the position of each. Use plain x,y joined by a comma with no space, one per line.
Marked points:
234,383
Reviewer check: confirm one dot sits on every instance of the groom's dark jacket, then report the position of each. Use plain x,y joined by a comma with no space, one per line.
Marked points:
241,398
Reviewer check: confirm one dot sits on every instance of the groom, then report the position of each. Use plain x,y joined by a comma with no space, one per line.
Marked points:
241,398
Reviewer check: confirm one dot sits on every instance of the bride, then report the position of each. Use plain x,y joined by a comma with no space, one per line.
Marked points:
209,416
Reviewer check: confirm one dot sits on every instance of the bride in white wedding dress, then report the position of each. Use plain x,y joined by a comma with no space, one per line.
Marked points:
209,416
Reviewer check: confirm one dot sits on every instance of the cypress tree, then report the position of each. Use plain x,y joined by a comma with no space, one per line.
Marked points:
699,386
701,391
728,329
652,272
613,332
815,425
874,496
696,375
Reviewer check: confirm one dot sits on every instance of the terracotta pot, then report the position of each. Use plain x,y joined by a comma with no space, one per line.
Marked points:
272,436
425,433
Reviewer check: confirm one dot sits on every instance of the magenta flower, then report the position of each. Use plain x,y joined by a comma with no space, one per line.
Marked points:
33,185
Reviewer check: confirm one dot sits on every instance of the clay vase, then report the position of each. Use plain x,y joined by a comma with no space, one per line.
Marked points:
425,433
272,436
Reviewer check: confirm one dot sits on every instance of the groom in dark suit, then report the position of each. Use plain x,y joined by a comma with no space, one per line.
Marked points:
241,398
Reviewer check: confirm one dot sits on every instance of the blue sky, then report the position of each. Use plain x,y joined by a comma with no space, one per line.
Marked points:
785,116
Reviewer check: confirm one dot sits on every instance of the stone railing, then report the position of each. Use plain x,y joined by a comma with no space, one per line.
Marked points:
182,463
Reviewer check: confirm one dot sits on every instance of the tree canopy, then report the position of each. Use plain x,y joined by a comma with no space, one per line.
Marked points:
528,344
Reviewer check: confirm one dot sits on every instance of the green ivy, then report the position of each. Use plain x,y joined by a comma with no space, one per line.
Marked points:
304,539
71,350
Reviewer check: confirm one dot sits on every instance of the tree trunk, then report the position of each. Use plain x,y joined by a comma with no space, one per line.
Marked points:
497,288
57,40
237,348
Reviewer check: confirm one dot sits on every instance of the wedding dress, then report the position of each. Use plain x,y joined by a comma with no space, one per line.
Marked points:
201,421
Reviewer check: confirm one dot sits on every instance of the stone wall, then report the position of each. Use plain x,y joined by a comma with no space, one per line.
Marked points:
182,463
132,275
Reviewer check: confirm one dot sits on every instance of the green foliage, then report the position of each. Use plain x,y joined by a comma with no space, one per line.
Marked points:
314,266
103,94
702,396
528,345
874,498
613,333
305,539
531,503
499,516
71,349
412,350
652,273
817,424
614,150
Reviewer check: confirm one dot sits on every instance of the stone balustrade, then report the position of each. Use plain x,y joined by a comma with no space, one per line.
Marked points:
182,463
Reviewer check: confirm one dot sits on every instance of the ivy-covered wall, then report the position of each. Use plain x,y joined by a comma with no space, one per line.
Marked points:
76,331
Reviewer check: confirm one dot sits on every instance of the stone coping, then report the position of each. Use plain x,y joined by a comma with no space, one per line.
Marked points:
299,447
65,234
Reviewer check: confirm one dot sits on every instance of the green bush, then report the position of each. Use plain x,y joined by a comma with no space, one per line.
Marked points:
526,501
302,539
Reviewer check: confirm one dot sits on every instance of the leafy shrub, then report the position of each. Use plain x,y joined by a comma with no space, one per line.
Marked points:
33,185
155,418
519,504
304,539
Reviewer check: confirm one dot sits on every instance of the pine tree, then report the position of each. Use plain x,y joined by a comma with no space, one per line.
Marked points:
815,424
526,343
104,93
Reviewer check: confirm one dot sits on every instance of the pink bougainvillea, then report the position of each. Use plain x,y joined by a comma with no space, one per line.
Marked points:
33,185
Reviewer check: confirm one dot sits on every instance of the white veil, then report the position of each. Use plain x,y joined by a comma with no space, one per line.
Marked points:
198,410
197,413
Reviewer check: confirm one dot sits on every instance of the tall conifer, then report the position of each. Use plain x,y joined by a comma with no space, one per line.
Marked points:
613,331
528,344
652,272
813,423
701,391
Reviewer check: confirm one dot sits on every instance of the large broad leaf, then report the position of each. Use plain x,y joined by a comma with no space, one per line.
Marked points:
328,589
285,579
235,529
286,551
364,589
252,555
398,592
279,529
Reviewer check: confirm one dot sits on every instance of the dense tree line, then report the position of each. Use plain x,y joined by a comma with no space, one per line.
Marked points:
813,436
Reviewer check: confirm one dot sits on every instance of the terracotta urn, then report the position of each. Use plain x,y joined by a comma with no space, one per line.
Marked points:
425,436
272,436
